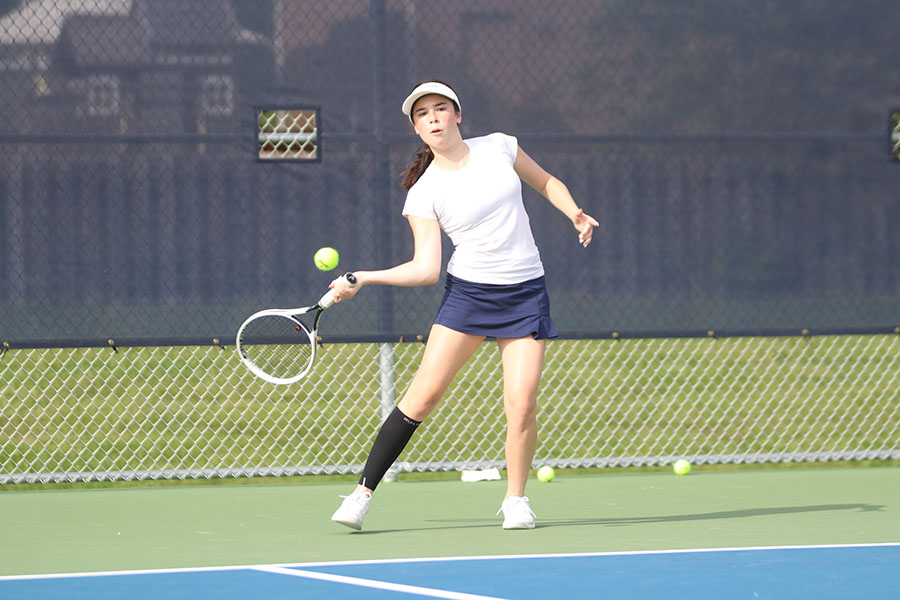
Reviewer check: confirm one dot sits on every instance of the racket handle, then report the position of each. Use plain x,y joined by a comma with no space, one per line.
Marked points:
328,299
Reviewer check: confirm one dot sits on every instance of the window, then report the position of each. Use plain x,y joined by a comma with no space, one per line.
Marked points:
288,134
216,95
102,95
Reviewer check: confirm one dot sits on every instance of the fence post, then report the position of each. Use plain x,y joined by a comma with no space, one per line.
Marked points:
381,158
386,385
381,152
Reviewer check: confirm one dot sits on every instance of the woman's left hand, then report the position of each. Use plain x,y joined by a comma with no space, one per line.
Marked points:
585,224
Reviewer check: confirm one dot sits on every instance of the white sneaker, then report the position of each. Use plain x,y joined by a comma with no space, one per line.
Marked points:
353,510
517,513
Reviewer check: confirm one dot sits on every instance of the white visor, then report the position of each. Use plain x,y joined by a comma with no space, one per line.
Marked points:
430,87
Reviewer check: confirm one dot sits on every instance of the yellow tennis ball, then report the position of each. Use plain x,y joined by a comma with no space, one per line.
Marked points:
682,466
326,258
546,474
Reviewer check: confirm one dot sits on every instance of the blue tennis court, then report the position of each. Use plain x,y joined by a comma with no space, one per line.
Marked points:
792,533
848,571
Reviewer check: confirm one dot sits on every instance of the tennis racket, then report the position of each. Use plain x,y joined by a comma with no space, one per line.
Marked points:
279,347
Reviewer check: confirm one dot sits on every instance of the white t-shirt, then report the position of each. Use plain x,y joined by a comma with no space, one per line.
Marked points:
480,208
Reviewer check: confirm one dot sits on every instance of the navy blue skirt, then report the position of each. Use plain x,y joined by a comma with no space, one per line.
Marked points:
503,311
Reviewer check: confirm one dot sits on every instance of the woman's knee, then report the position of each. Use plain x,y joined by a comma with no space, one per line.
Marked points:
420,400
521,409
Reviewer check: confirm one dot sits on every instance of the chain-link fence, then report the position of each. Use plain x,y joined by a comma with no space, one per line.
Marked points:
168,167
179,412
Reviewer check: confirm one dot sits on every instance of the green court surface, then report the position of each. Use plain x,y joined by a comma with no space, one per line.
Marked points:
211,525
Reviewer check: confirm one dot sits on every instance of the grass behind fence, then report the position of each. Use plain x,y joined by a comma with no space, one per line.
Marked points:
165,409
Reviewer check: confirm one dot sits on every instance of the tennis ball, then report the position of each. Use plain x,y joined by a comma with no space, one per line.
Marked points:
682,466
326,258
546,474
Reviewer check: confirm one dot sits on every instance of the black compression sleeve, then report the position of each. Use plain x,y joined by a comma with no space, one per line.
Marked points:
393,437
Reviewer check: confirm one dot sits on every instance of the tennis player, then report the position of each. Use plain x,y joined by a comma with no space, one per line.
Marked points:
471,189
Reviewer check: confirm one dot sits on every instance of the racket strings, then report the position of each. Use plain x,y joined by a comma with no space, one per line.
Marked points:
278,345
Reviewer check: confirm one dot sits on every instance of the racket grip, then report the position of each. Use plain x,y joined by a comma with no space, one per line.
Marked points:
328,299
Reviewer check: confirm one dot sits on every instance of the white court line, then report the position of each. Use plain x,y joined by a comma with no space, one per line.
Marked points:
381,561
125,572
379,585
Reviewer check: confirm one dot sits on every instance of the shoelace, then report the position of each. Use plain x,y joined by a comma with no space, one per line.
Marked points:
518,500
358,498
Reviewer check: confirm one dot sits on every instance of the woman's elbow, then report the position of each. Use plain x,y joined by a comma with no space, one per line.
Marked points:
427,269
431,276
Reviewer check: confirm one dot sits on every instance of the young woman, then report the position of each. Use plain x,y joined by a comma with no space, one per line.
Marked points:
471,189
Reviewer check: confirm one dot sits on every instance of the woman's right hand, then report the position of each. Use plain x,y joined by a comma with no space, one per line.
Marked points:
343,290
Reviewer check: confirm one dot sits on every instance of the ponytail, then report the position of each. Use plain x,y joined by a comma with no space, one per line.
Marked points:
415,168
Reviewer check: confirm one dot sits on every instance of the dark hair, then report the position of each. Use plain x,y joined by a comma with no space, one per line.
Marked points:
416,166
423,155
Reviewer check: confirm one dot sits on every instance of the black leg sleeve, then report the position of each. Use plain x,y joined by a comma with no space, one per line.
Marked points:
390,442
